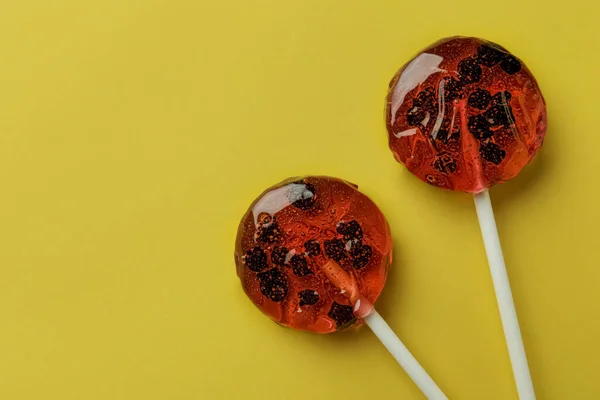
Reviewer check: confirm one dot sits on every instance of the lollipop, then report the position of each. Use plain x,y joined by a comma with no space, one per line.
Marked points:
312,254
465,114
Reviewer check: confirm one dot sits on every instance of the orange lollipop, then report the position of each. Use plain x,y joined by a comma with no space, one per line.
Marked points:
465,114
309,249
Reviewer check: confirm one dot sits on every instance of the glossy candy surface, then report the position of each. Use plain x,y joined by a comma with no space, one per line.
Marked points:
308,249
465,114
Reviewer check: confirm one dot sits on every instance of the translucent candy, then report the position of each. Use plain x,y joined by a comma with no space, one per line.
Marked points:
465,114
313,253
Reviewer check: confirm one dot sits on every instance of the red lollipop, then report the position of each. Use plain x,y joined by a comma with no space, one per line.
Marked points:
285,243
463,115
313,253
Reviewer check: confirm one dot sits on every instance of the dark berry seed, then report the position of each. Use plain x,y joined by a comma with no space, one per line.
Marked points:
452,90
502,98
492,153
469,71
499,115
299,266
256,259
312,247
342,315
489,55
351,230
425,97
335,249
479,99
278,255
268,233
306,198
442,135
445,163
425,100
414,118
361,254
510,65
273,284
308,297
479,126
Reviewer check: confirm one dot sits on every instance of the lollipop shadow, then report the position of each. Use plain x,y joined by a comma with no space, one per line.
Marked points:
533,177
391,293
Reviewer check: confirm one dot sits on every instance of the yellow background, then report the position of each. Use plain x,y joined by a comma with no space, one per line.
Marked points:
134,134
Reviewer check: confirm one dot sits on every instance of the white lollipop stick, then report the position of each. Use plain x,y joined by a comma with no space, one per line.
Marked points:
363,308
406,360
506,305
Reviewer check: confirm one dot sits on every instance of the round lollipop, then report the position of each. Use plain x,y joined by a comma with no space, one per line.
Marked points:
313,253
465,114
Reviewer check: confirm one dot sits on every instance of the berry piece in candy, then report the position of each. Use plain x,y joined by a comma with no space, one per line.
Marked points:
332,247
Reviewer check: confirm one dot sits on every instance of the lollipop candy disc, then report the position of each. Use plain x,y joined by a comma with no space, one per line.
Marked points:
308,249
465,114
